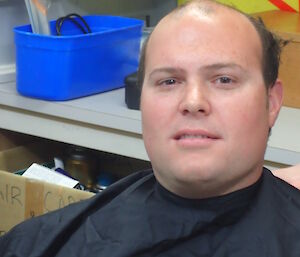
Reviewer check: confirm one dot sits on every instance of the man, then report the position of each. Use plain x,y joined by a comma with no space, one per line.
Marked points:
207,95
210,96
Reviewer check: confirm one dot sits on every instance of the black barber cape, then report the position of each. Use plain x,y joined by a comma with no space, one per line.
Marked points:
138,217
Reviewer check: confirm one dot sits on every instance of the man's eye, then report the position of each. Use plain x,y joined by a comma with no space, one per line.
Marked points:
168,82
224,80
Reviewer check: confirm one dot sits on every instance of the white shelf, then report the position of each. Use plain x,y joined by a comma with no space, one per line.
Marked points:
103,122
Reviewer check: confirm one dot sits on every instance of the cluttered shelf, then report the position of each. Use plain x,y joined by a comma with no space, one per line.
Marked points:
103,122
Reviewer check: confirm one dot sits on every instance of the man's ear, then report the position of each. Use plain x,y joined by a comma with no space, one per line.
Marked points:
275,97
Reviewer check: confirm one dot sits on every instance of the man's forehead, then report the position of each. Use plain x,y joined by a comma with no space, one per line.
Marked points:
227,27
206,9
187,27
211,14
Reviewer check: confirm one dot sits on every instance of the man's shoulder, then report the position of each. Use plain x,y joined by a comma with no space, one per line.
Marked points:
281,187
282,199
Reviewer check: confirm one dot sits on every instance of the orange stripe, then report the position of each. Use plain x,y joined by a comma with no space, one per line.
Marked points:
283,6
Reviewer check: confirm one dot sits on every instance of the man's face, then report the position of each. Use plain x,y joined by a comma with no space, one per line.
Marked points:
205,110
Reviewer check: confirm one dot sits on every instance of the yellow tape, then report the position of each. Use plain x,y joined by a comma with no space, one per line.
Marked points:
252,6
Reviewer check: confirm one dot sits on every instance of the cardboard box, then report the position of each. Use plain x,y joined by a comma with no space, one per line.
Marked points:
10,139
19,151
22,198
21,157
287,26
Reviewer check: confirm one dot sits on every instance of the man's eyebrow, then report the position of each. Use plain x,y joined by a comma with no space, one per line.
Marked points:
209,67
221,65
170,70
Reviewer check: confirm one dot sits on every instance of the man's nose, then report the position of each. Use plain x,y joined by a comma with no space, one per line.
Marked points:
195,99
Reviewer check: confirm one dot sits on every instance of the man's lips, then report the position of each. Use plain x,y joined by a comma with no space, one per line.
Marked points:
189,134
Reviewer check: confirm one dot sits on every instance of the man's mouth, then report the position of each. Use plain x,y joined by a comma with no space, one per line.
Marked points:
195,138
195,134
190,136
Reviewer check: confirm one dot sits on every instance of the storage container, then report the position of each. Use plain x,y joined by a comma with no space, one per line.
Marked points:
75,64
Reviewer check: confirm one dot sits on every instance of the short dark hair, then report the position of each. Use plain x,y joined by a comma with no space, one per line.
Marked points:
271,49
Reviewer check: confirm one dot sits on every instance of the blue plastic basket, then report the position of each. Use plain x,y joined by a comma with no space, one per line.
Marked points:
76,64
